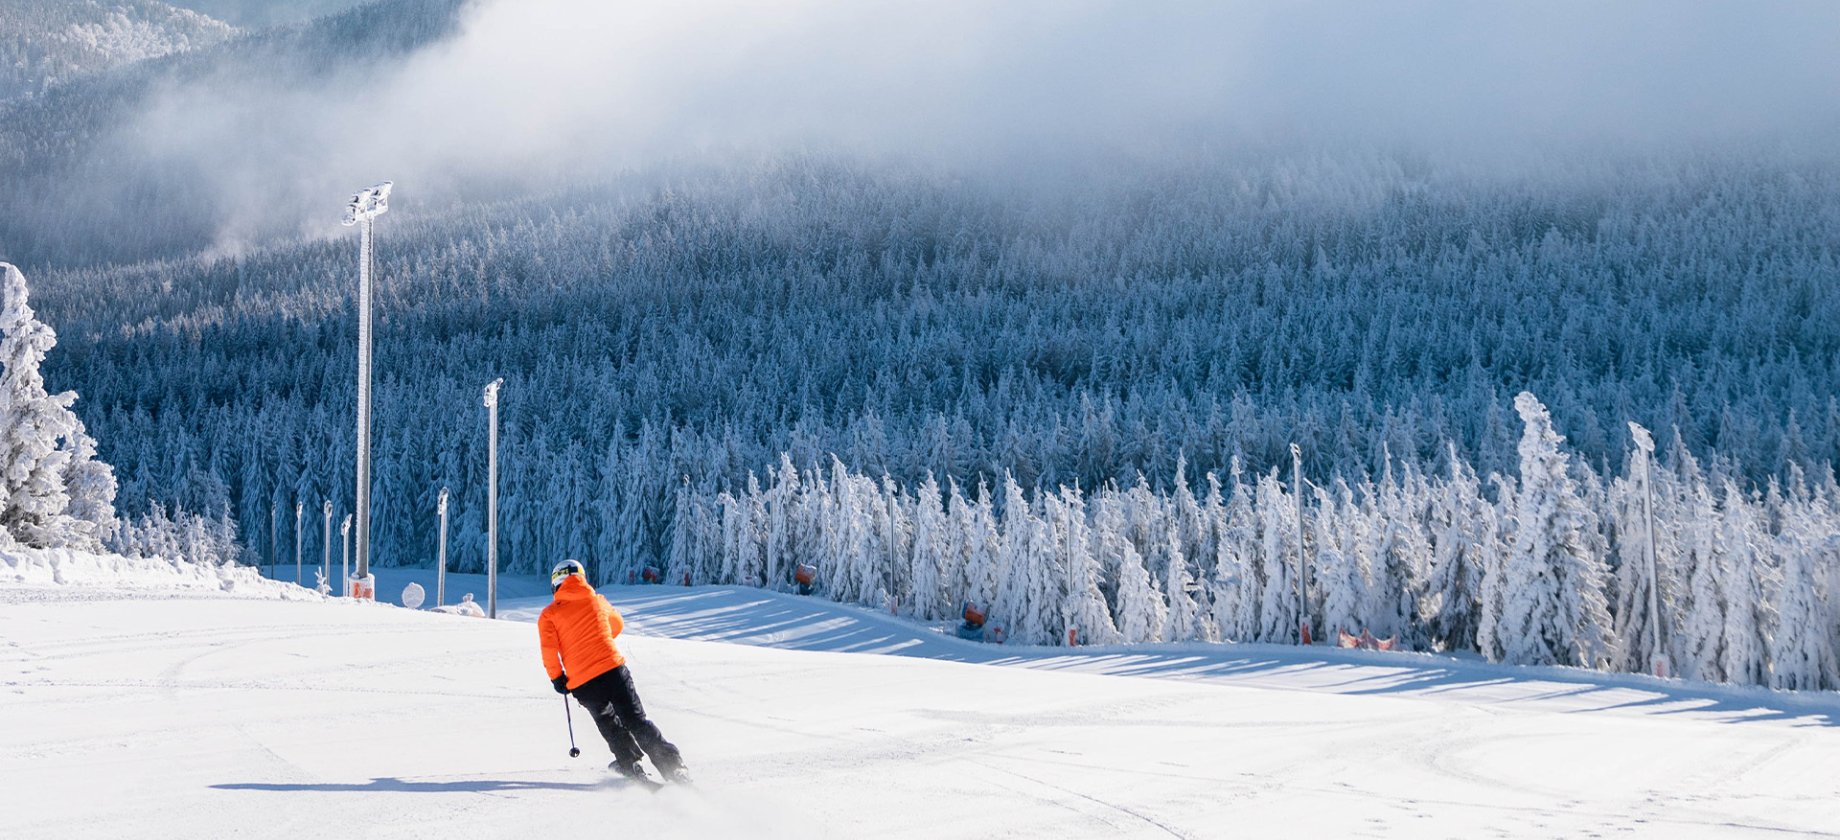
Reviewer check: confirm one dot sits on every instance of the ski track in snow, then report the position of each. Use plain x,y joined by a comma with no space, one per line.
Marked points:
212,715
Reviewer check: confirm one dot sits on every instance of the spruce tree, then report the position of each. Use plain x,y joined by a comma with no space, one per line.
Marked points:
1554,609
45,453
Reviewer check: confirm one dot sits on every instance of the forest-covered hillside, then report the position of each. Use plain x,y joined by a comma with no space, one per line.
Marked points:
911,320
45,43
98,168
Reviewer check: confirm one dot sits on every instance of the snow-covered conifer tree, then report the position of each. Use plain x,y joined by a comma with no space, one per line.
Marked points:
1399,571
90,484
929,601
1182,621
1278,550
1238,587
1027,604
1748,614
1462,524
1641,576
1139,611
1555,611
1083,605
1342,551
1489,639
783,545
1802,648
976,521
45,454
1700,643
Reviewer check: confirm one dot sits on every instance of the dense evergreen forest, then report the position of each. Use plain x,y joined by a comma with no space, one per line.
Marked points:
910,321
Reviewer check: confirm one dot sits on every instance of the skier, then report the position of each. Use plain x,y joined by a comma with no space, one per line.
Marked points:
577,631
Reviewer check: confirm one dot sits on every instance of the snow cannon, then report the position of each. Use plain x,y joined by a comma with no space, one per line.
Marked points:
973,627
806,576
362,588
651,575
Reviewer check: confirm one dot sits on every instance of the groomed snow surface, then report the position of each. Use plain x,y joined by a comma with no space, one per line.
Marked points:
142,705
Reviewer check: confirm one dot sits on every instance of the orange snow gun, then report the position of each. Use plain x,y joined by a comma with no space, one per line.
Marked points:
806,576
972,629
651,575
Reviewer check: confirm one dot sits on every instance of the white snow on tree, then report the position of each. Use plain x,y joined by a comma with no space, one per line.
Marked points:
55,492
1495,570
1748,615
1744,595
1462,529
1030,589
928,570
1636,587
1139,609
977,522
1182,622
1804,651
1398,510
1083,606
1555,611
1278,550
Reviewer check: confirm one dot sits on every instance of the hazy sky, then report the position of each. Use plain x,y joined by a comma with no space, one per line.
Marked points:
535,88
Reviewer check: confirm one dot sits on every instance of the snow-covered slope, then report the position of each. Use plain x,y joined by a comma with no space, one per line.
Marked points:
129,717
59,574
47,42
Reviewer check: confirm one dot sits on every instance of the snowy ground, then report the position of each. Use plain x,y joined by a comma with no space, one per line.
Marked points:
202,713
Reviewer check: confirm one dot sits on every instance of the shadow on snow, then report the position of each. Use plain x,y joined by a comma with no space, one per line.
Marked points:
391,784
771,619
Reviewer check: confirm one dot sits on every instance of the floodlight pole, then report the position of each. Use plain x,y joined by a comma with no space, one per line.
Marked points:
298,509
325,565
440,575
491,401
345,554
363,210
274,542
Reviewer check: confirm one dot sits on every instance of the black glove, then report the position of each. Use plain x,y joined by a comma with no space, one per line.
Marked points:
561,683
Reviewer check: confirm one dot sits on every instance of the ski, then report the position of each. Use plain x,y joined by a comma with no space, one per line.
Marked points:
637,776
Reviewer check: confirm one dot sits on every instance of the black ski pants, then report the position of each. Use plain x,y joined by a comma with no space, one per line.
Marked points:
614,704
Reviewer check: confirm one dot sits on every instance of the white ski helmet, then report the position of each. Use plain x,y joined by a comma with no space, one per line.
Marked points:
563,570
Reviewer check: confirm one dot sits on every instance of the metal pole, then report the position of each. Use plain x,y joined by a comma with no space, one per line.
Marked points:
345,554
363,541
274,543
325,565
440,575
1303,597
365,207
491,401
298,508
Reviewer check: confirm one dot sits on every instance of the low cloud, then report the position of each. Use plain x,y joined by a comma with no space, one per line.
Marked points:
533,92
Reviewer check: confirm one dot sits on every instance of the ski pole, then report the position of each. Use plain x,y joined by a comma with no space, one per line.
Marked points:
570,717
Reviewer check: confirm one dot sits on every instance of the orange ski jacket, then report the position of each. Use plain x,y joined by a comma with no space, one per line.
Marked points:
577,631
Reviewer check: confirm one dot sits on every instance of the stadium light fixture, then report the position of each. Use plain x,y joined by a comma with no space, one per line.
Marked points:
365,206
440,577
491,400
